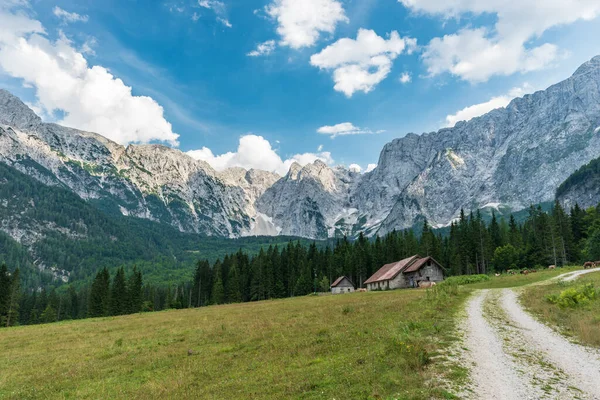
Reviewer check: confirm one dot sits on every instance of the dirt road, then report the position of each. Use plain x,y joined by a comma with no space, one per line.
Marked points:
513,356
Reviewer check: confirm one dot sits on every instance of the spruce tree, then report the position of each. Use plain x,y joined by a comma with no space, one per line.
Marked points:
118,294
14,299
218,290
99,295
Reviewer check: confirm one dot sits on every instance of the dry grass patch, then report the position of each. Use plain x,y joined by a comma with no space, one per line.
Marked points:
354,346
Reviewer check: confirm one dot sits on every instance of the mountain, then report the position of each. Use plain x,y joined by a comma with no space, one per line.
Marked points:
582,187
504,160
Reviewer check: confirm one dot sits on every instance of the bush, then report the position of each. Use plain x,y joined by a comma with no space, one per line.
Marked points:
465,279
574,297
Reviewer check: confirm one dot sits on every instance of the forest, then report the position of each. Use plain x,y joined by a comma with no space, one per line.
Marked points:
470,245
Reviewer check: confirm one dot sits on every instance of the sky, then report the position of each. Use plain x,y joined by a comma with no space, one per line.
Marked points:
264,83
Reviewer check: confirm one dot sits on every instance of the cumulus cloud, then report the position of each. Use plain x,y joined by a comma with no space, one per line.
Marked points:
361,64
219,8
343,129
370,167
405,78
476,54
67,17
477,110
300,23
263,49
355,168
256,152
91,97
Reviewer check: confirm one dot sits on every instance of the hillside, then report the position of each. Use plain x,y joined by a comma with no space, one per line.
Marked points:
582,187
69,239
362,345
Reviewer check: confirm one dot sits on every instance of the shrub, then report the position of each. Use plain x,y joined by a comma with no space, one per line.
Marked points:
465,279
574,297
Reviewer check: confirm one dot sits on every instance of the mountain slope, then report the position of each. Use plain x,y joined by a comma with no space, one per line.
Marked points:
508,158
582,187
513,156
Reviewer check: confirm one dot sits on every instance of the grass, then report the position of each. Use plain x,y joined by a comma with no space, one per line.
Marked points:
582,322
517,280
380,345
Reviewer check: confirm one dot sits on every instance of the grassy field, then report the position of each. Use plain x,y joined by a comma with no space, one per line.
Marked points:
383,345
582,321
506,281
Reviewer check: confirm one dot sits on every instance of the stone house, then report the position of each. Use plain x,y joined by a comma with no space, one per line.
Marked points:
342,285
406,273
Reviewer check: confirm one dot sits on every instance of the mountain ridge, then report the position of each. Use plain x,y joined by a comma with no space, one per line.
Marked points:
512,156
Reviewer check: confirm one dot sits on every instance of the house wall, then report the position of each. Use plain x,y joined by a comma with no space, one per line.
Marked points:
431,270
343,287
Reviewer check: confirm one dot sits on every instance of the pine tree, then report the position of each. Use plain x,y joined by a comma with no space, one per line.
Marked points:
118,294
99,295
14,297
233,285
218,290
134,291
5,290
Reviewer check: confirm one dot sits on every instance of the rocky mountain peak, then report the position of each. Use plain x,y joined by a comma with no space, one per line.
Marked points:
15,113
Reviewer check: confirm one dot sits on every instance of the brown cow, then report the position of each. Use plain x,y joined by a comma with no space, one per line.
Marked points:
588,264
362,290
510,272
525,272
426,284
552,267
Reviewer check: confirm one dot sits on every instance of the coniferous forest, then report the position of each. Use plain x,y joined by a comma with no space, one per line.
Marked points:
470,245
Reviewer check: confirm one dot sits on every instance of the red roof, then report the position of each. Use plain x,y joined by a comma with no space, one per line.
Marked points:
339,280
389,271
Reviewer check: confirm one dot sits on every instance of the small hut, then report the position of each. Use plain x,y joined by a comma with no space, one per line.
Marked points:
342,285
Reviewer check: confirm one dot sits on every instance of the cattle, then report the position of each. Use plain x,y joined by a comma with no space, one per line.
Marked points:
531,271
362,290
525,272
510,272
426,284
552,267
496,275
589,264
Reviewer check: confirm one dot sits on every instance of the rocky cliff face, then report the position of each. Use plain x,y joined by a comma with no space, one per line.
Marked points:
147,181
514,156
582,188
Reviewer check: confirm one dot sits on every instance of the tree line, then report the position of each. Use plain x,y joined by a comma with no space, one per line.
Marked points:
469,245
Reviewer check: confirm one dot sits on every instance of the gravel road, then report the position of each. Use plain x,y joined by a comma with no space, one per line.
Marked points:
513,356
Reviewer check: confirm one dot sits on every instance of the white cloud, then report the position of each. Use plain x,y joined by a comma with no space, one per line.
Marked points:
67,17
359,65
343,129
91,97
477,110
256,152
405,78
370,167
263,49
320,148
476,54
219,8
354,168
301,22
195,17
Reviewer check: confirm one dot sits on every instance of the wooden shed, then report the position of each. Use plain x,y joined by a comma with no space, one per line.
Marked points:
406,273
342,285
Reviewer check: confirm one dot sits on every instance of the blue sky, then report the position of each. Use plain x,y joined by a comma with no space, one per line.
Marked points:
314,70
